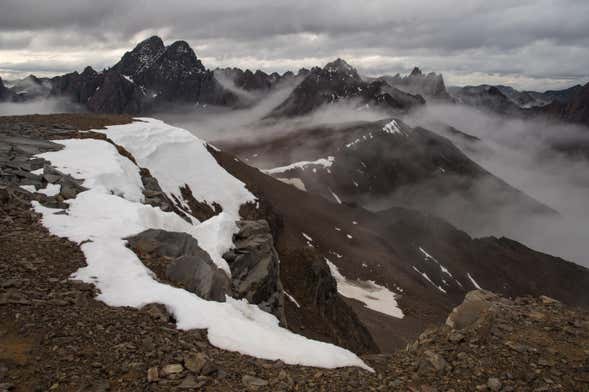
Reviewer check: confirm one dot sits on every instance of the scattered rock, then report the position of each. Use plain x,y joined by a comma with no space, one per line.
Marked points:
196,362
475,304
494,384
172,369
158,312
153,374
189,383
251,381
548,300
436,360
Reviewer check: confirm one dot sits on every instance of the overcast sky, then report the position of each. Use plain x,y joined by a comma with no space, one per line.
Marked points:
535,44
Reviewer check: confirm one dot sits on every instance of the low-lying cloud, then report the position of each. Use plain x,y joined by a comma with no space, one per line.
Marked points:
521,152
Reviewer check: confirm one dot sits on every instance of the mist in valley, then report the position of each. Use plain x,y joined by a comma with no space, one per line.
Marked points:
38,106
521,152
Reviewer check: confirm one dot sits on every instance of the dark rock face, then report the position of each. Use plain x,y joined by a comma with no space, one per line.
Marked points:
573,107
117,94
31,87
78,87
176,257
255,267
430,86
142,57
340,82
5,94
171,74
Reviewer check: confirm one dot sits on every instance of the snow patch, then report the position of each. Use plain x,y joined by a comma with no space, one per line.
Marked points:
429,280
324,162
291,298
430,257
371,294
295,181
392,127
51,190
337,199
475,284
29,188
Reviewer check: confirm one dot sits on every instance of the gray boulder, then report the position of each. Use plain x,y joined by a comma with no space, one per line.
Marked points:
177,258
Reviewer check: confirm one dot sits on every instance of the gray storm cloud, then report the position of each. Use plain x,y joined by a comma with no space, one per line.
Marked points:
544,41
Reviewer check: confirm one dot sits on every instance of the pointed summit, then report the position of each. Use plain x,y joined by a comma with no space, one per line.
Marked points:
341,67
416,72
141,57
152,43
181,53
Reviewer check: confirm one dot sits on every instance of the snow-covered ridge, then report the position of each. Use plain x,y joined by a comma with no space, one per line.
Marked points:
324,162
111,209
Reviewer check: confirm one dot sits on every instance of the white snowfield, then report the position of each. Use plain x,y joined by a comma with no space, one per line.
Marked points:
111,210
371,294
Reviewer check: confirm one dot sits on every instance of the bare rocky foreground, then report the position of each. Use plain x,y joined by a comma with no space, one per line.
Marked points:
55,336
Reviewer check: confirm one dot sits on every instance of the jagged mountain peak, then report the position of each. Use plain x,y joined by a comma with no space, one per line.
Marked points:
152,43
141,57
340,66
181,52
416,72
89,71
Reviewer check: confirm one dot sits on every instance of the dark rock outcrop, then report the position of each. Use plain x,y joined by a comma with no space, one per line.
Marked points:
78,87
573,107
6,95
177,258
117,94
255,267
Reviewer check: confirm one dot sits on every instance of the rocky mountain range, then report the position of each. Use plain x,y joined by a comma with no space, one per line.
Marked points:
153,77
568,105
